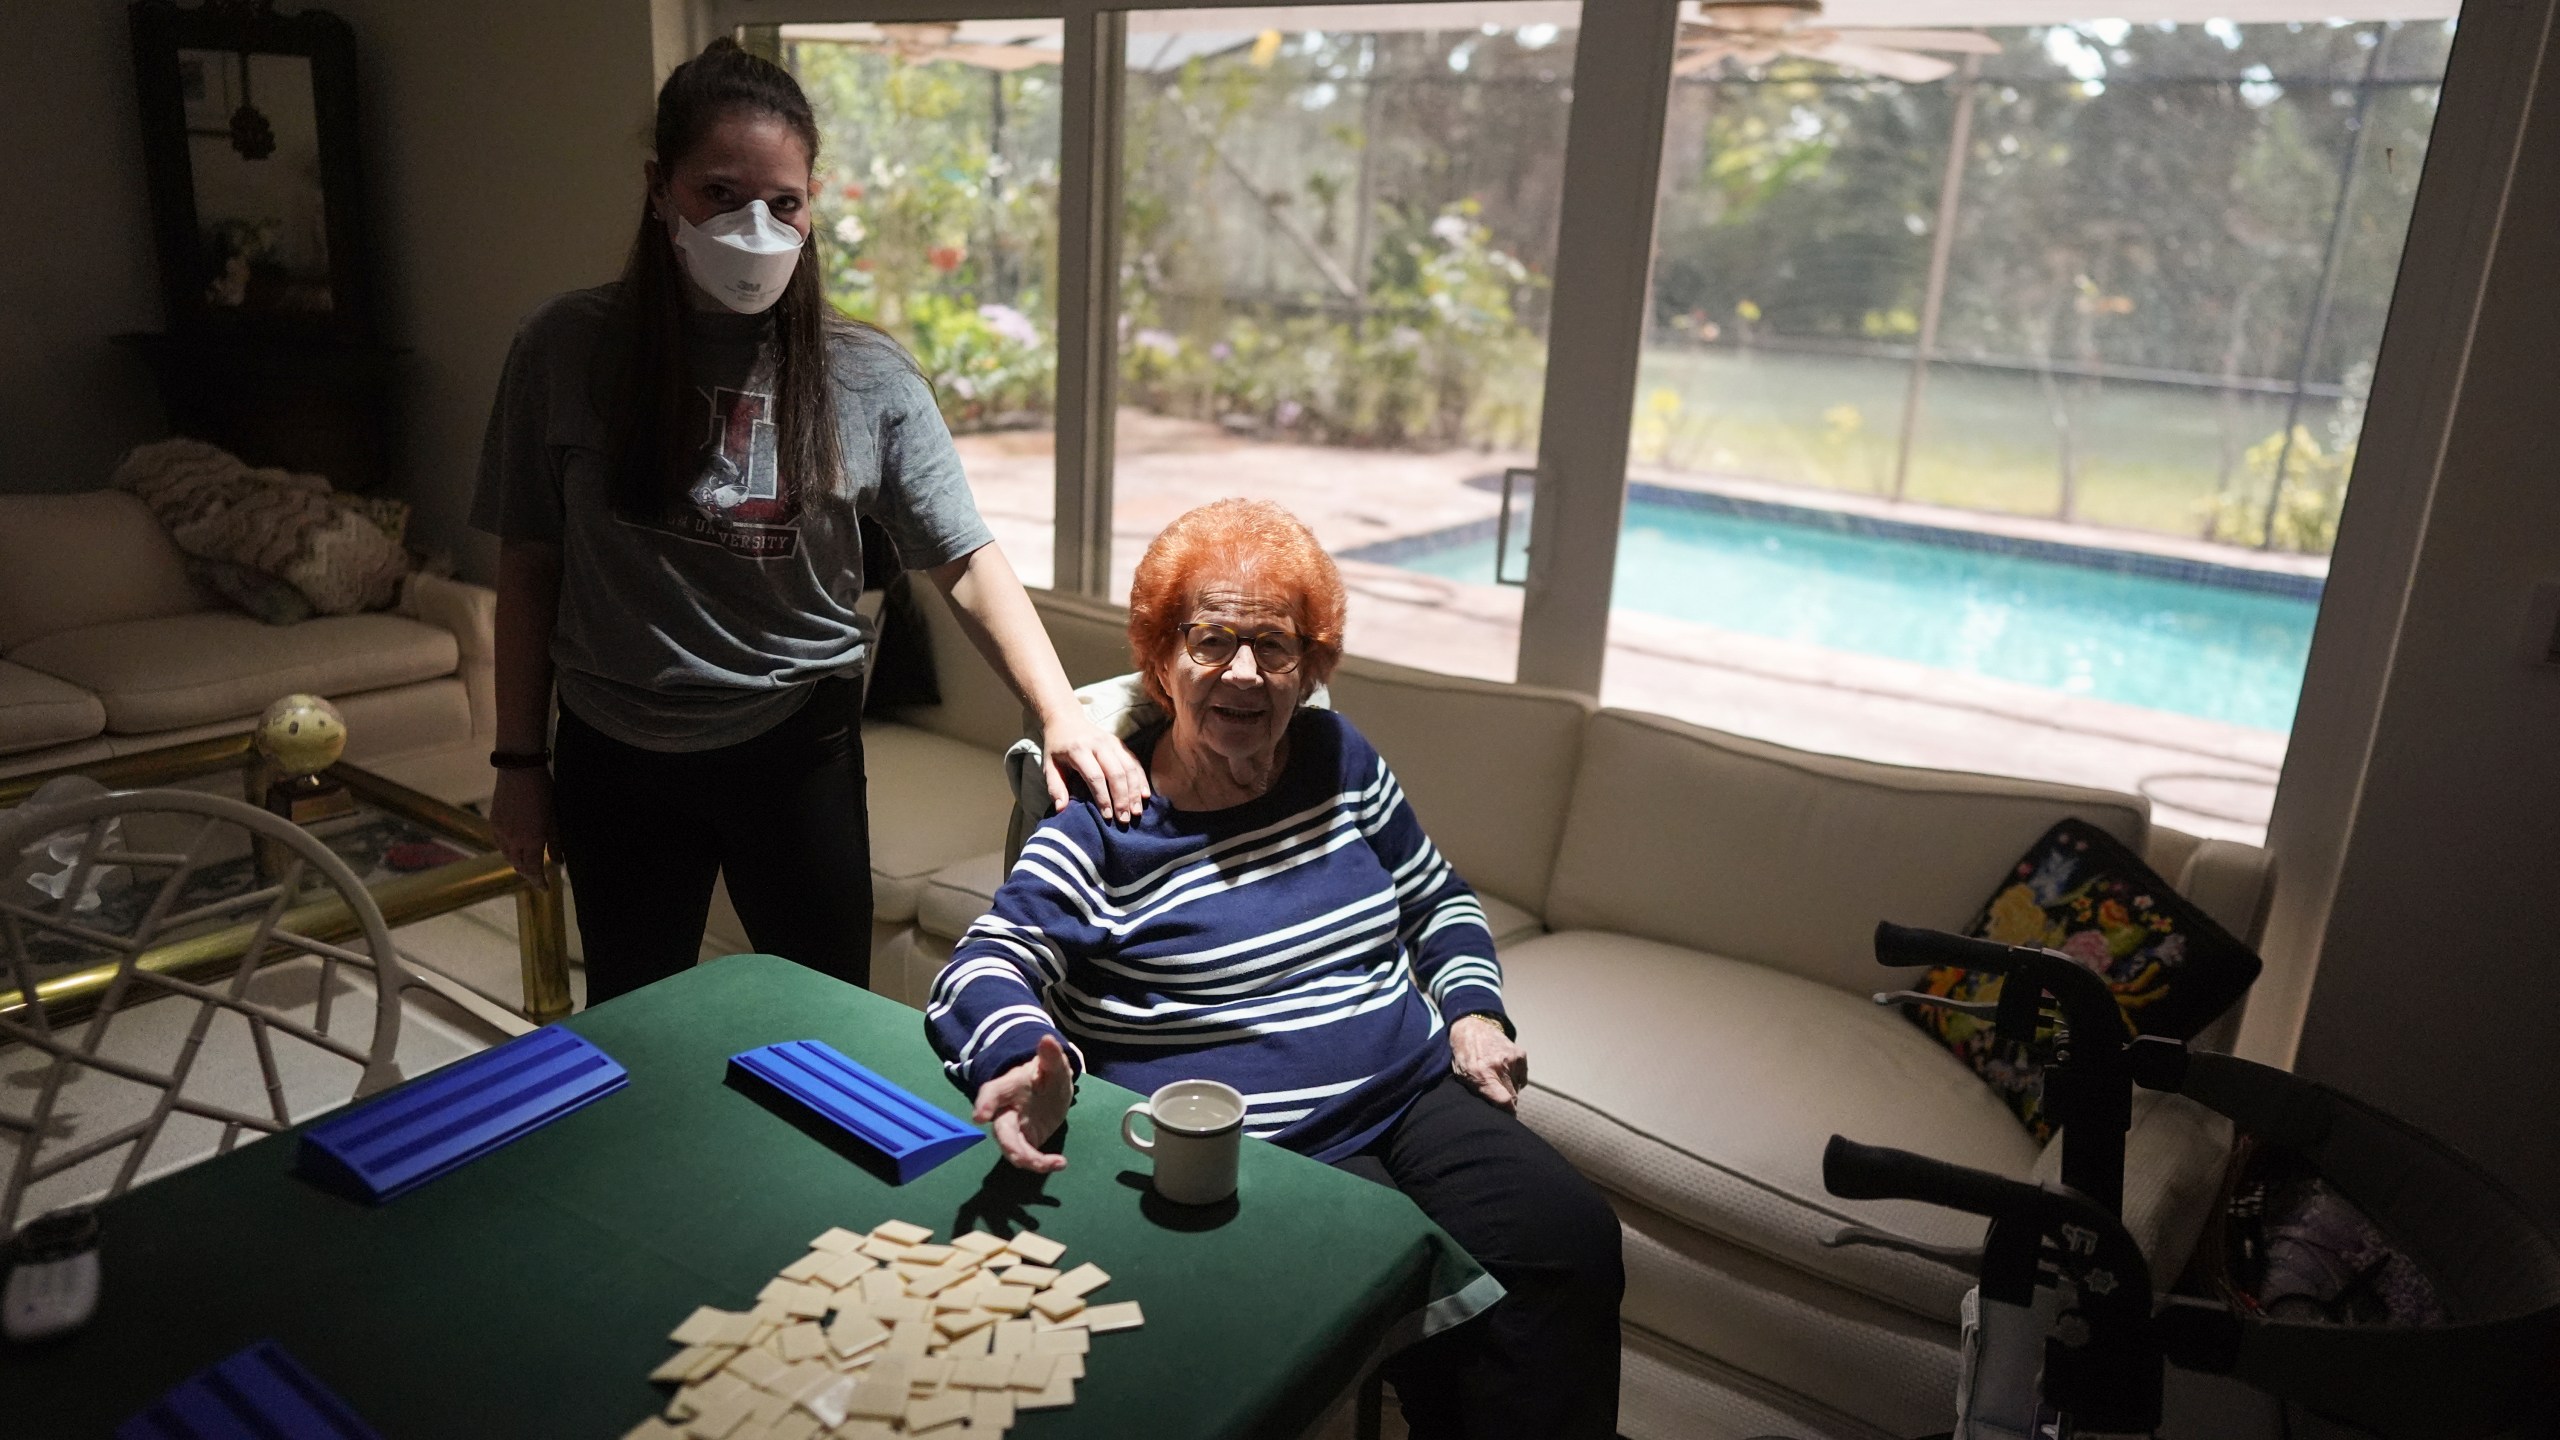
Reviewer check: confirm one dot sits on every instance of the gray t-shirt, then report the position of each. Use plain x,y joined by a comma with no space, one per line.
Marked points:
704,626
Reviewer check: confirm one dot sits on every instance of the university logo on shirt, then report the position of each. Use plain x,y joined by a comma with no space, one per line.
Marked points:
740,501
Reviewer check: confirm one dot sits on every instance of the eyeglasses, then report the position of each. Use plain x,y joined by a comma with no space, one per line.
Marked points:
1275,652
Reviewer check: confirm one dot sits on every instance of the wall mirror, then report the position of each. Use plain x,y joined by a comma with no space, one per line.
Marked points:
249,144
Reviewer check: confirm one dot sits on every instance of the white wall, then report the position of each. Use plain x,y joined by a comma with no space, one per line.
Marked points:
2438,990
76,264
503,144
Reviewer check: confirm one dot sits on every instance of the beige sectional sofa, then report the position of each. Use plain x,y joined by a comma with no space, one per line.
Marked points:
106,648
1684,922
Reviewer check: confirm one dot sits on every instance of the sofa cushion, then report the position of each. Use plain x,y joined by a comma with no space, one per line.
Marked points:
1489,767
1092,639
2230,882
179,670
403,720
935,801
54,757
71,561
1509,923
955,896
37,710
384,728
2174,1158
976,707
1875,1363
251,592
1787,858
1671,1392
1705,1088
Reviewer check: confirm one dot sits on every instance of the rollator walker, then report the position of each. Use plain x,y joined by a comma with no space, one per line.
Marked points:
2062,1336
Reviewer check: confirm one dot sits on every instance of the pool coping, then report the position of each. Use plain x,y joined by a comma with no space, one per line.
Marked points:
2286,577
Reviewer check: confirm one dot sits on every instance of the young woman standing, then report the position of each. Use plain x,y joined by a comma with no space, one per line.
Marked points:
674,469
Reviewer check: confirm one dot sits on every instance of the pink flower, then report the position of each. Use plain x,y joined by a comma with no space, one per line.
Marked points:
1010,323
2089,947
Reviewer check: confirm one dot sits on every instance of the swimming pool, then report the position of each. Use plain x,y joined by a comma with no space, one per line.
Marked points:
2157,641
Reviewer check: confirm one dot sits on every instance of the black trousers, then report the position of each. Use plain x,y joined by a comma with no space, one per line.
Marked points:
644,833
1542,1363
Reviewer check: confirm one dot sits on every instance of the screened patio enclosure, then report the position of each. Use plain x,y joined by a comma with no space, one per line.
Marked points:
1988,402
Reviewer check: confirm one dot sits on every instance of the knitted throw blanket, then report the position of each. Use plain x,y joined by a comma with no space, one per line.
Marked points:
342,552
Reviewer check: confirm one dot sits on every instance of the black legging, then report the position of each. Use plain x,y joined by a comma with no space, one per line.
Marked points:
783,815
1542,1363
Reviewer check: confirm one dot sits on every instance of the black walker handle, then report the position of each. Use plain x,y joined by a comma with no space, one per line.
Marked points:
2088,1006
1879,1172
2106,1374
2088,1087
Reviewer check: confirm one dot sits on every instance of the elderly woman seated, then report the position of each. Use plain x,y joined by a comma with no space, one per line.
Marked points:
1276,919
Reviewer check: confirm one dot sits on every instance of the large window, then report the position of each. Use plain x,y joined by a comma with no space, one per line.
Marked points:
2000,421
1996,388
1334,249
938,212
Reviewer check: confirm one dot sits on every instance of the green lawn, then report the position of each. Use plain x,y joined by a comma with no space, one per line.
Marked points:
2149,456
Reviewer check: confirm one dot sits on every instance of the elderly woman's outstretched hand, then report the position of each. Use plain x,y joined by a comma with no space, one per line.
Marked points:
1491,1062
1025,1105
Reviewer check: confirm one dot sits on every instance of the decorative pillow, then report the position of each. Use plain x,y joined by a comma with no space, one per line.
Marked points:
341,551
255,591
2081,892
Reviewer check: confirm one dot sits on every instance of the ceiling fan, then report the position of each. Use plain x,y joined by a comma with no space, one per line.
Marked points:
922,41
1756,32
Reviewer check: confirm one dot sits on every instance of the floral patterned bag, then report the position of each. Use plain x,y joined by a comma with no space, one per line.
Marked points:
2080,892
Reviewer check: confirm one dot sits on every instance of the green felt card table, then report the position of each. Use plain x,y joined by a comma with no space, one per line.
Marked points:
530,1292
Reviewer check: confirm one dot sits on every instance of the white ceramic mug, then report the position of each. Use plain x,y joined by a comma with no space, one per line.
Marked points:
1198,1126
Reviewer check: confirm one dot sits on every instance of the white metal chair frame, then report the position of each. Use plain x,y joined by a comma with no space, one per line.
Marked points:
33,1026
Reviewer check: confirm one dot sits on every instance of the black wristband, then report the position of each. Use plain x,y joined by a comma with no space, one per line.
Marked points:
519,759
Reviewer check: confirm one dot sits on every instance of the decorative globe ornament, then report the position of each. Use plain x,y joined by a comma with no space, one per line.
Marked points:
300,736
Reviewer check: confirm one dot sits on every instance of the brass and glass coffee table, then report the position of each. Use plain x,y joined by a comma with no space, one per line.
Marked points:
418,856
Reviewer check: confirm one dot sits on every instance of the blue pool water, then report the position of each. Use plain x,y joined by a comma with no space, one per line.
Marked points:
2165,644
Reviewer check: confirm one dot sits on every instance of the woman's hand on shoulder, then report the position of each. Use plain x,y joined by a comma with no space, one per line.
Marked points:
1491,1062
1025,1105
1117,781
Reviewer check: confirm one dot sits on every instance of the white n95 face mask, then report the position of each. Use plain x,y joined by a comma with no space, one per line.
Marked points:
743,257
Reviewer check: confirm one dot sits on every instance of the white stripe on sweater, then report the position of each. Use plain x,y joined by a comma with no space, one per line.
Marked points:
1191,886
1098,1015
1312,1092
1392,996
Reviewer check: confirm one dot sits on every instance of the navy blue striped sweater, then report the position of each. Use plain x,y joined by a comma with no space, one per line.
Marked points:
1302,947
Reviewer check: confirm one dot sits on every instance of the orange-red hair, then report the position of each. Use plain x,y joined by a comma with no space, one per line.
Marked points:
1251,541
